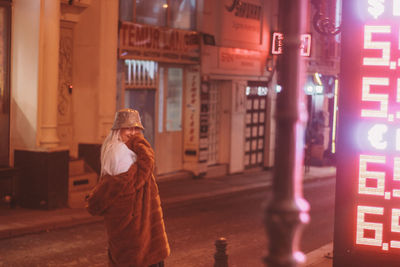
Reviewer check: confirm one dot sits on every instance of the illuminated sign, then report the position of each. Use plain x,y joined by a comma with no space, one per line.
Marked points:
305,45
147,42
367,211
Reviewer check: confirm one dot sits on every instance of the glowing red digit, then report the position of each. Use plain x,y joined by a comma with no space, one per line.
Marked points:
368,96
369,44
364,174
362,225
395,227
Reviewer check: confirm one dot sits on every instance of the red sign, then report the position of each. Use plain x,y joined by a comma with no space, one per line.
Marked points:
141,41
367,218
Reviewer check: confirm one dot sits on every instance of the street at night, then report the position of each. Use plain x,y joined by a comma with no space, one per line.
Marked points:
192,228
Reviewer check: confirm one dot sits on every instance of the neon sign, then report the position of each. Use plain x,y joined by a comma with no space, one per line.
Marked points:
305,45
367,212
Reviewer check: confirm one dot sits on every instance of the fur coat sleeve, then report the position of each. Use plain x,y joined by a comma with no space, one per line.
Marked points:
131,207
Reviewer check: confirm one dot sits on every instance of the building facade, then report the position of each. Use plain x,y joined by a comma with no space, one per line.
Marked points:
201,73
321,85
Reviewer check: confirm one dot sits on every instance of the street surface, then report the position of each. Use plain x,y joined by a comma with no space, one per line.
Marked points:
192,228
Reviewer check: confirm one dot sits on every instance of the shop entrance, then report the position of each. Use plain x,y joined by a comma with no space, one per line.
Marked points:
214,123
168,141
256,95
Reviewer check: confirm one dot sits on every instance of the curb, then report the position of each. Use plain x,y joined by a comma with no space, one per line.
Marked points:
321,257
86,218
46,227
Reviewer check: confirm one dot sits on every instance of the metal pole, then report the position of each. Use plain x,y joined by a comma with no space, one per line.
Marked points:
287,211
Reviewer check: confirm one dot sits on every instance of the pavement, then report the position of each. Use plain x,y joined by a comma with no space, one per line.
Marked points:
19,221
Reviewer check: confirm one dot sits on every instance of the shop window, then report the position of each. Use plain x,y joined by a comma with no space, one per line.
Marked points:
183,14
174,100
140,85
170,99
143,101
180,14
153,12
4,82
140,73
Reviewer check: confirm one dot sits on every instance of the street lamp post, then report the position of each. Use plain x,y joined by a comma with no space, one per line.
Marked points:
287,211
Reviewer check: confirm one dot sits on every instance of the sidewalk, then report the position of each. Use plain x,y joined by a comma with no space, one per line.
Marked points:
19,221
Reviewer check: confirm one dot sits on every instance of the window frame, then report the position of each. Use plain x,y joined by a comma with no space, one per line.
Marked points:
168,22
7,68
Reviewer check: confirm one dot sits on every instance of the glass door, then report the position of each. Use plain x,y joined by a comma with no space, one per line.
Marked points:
169,144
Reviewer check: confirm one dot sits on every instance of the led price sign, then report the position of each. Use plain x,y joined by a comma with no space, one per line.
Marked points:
367,210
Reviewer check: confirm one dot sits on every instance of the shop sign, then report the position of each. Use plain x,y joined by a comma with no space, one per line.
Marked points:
147,42
305,45
243,59
192,114
241,20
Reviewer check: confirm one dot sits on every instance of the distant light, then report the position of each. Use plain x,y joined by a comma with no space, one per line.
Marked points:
300,257
261,90
317,78
165,5
335,109
278,88
310,90
248,90
319,89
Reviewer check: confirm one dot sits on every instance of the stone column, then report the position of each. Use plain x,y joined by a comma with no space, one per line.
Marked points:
107,67
48,73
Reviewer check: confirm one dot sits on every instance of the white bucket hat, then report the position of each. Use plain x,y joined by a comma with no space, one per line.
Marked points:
127,118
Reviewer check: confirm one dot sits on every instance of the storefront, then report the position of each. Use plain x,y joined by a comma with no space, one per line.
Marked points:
321,94
161,79
236,126
233,67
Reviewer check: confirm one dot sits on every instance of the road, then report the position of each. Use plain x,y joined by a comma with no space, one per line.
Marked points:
192,229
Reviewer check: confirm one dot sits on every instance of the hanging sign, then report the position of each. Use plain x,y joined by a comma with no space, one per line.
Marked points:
367,217
305,46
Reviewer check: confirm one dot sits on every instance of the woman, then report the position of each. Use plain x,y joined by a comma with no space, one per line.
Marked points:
127,196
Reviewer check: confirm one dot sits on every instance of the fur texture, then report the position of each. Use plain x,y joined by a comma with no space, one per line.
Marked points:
131,207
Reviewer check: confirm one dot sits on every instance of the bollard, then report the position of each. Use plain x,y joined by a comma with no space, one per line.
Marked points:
220,257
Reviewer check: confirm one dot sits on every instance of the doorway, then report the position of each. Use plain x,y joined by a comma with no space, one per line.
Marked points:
168,141
256,95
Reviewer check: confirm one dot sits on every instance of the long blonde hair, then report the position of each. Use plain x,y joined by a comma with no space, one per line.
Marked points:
112,138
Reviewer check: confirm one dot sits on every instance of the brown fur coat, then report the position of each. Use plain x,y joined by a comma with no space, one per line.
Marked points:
131,207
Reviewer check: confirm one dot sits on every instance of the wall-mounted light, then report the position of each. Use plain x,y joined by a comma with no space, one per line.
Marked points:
319,89
309,90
